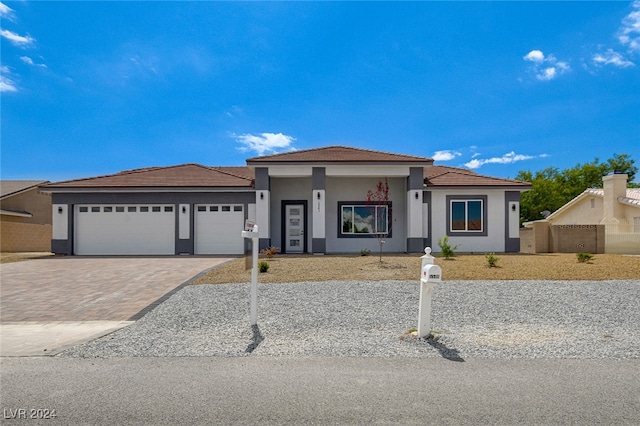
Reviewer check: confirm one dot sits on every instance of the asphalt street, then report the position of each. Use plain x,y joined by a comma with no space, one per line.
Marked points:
280,390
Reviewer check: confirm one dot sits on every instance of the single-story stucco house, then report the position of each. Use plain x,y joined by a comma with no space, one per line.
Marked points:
599,220
308,201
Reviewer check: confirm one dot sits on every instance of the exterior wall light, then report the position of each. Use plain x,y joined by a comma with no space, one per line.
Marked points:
417,195
60,210
318,195
184,209
262,195
513,207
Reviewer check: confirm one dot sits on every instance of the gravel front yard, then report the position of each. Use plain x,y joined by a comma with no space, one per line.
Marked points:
492,319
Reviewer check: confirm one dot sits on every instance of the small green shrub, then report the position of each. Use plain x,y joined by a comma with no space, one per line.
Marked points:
448,251
492,260
365,252
584,257
263,266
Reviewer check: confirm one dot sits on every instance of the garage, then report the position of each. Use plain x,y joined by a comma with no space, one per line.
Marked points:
124,229
218,229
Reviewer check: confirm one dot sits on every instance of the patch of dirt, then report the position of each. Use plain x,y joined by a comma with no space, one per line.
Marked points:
557,266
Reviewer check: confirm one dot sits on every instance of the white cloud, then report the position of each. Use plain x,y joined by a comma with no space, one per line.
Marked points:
534,56
264,142
6,83
6,12
546,68
445,155
29,61
629,33
508,158
611,57
17,39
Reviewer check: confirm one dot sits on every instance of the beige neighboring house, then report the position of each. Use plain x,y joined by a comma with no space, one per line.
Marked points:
600,220
25,216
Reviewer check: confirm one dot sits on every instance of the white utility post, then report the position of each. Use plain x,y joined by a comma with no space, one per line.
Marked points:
431,274
251,231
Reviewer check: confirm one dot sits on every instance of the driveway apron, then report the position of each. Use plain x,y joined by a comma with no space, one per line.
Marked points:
47,305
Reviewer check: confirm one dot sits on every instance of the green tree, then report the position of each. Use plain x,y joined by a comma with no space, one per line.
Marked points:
552,188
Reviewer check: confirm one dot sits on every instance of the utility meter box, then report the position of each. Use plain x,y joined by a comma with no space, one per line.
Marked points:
431,274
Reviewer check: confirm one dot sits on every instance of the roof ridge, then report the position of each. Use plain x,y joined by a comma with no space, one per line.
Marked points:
227,172
349,148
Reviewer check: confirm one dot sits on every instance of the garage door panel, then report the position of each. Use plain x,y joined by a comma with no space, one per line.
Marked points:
218,229
136,230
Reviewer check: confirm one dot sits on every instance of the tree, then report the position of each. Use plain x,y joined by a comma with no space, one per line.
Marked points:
376,200
552,188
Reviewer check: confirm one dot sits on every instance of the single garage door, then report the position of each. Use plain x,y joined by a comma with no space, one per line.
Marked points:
118,229
218,229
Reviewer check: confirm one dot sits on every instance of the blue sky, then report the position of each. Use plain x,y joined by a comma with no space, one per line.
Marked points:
92,88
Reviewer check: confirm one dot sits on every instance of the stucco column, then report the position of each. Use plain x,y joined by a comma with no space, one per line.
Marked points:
263,206
415,183
318,210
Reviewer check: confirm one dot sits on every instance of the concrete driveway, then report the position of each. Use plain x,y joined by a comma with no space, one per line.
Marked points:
49,304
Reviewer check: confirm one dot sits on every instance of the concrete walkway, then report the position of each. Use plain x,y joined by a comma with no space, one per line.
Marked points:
48,305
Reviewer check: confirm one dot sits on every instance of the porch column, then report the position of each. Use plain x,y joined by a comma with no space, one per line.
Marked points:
263,206
415,183
318,206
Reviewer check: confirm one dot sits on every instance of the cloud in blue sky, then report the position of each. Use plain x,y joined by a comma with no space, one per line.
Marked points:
508,158
17,39
629,33
610,57
445,155
265,143
6,80
544,67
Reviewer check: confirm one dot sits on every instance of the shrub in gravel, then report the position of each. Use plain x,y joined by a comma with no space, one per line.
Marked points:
492,260
448,251
584,257
263,266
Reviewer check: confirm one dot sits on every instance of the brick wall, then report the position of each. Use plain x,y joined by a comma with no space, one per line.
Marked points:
24,237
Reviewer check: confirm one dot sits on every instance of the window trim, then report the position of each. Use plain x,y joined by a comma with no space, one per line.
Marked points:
457,233
388,204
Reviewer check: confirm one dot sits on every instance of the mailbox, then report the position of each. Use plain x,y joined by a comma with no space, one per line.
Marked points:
431,274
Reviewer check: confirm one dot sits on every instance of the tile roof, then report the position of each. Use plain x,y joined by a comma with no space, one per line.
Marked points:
632,197
455,177
185,175
12,187
339,154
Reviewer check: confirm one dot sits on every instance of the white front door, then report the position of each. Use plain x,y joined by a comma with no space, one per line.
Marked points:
294,228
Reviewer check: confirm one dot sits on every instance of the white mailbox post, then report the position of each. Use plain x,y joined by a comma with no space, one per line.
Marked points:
251,231
431,275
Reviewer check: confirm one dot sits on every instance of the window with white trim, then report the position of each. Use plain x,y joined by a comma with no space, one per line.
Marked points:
466,215
364,220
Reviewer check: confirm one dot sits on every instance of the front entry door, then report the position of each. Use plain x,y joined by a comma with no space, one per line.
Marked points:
294,228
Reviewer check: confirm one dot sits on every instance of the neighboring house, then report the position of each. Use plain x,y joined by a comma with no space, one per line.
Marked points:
310,201
605,220
25,216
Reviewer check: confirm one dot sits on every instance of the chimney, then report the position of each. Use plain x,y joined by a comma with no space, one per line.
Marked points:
615,186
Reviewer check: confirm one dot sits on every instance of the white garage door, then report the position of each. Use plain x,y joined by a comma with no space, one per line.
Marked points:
218,229
130,229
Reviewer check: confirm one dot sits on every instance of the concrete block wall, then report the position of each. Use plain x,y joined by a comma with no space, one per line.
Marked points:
24,237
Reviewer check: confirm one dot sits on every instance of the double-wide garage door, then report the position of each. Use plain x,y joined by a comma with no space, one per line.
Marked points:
151,229
133,229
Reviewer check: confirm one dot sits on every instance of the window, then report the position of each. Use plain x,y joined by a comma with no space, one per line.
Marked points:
107,209
364,220
213,208
466,215
84,209
131,209
95,209
237,208
144,209
168,209
226,208
156,209
119,209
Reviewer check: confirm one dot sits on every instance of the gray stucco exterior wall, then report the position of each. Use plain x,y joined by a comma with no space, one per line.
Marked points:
511,245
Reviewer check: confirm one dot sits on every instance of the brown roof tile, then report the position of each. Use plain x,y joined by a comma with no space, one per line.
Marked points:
11,187
185,175
454,177
339,154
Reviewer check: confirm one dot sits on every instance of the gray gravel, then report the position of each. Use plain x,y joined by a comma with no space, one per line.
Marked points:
471,319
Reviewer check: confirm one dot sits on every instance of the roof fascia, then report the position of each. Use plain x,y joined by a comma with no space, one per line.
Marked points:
15,213
147,190
23,190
